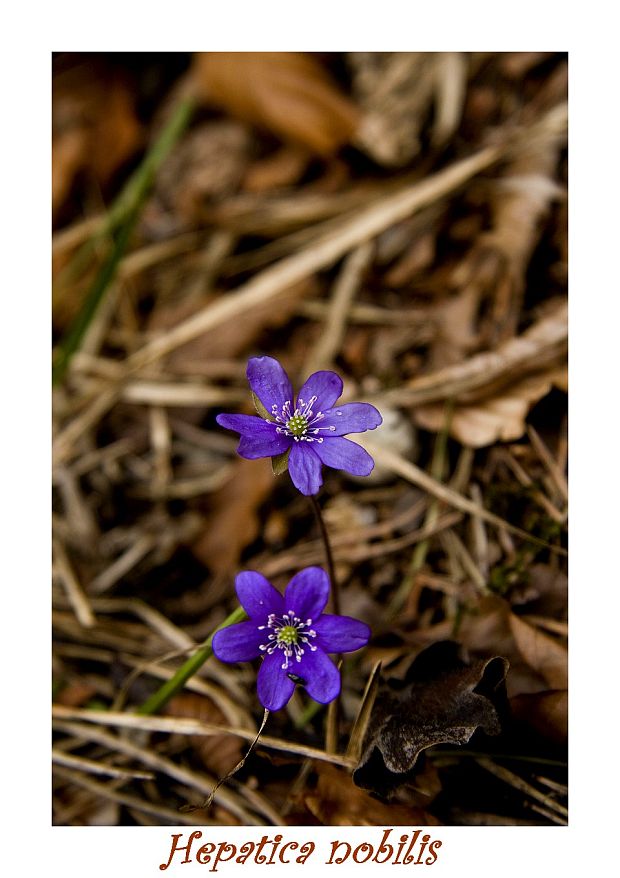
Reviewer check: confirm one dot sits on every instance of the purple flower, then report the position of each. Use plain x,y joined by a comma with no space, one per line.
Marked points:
292,634
311,430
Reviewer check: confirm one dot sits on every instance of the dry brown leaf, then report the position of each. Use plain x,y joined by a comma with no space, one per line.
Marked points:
500,418
282,168
95,127
485,629
546,712
543,345
442,700
543,653
544,593
336,801
76,694
288,93
234,522
219,753
521,201
457,334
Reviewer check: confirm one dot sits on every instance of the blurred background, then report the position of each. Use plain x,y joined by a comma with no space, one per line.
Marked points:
400,218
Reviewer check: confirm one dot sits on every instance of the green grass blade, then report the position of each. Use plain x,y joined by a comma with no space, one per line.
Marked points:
187,670
119,225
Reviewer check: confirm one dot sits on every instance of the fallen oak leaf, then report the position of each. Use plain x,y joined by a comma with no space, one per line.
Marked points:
442,700
288,93
542,345
337,801
543,653
234,521
499,418
95,126
546,712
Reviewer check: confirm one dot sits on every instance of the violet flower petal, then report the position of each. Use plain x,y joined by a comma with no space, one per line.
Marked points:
252,449
326,386
340,633
341,453
353,417
307,593
258,437
305,468
269,382
248,425
257,595
238,643
273,687
321,676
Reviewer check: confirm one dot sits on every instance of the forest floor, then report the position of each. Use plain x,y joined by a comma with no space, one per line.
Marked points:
400,219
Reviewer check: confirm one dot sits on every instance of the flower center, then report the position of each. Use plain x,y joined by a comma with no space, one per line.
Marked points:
300,425
297,426
289,634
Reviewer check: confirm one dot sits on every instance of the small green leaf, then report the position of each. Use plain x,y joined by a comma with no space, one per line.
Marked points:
279,463
260,408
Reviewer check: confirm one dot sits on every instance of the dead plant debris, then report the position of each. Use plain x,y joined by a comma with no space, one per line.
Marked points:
400,218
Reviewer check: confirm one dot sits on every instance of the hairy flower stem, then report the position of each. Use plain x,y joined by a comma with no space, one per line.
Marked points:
335,591
332,724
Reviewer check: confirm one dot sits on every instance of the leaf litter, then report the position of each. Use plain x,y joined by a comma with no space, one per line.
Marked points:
400,218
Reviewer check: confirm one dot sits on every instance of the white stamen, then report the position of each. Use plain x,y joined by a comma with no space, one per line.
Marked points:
289,634
298,424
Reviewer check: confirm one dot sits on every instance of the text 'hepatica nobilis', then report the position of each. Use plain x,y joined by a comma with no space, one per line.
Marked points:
293,635
311,429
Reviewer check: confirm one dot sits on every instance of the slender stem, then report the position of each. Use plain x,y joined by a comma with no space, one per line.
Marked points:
332,722
328,555
209,800
187,670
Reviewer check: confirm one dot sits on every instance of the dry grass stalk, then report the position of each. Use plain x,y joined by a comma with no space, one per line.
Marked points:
103,791
542,344
355,554
418,477
353,231
229,696
194,780
556,473
179,394
526,480
95,408
74,591
479,534
184,726
467,563
451,83
105,580
92,767
345,289
372,315
518,783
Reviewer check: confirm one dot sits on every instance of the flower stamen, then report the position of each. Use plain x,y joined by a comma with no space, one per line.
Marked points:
299,424
289,634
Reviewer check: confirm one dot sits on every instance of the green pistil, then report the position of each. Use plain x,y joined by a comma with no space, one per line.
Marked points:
297,425
287,634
